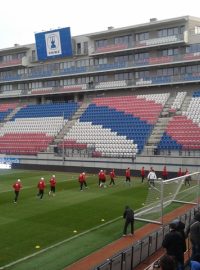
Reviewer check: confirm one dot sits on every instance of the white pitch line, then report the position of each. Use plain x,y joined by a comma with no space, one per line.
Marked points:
62,242
58,244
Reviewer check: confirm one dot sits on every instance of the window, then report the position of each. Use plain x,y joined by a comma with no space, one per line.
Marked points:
168,71
189,69
101,78
123,58
193,48
142,74
81,80
33,55
67,82
197,30
85,47
141,56
169,52
7,87
101,43
100,61
170,31
78,48
142,36
123,76
182,29
36,85
123,39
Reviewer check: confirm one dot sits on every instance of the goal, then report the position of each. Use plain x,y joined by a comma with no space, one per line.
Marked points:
166,195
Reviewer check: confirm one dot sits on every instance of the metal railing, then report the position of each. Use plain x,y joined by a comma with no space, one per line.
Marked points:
131,257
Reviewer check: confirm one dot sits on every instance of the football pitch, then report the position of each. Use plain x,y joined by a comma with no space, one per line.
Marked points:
56,231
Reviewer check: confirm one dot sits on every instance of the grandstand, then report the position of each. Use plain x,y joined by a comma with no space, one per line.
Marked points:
126,97
129,95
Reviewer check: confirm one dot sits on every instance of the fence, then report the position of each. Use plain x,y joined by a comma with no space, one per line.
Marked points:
131,257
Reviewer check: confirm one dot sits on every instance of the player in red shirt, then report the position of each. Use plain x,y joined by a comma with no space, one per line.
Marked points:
180,173
82,180
52,182
128,176
142,172
164,173
112,177
102,179
17,186
41,186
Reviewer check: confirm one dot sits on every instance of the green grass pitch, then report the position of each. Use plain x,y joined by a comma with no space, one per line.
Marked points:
64,228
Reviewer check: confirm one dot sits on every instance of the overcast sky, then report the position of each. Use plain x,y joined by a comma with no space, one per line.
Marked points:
20,19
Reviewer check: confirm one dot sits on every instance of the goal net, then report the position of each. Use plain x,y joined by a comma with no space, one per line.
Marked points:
165,195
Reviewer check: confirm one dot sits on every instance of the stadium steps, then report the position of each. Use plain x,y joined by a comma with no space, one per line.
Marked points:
185,104
156,135
160,127
168,104
69,124
10,115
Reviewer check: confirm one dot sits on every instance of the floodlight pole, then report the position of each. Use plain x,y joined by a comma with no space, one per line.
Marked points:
161,201
63,141
198,193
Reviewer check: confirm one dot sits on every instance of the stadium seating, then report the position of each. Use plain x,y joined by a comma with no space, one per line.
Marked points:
178,100
118,126
5,109
33,127
59,89
183,132
112,47
161,40
11,93
111,84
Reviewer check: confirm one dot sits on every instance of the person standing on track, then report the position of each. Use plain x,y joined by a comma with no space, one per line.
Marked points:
128,215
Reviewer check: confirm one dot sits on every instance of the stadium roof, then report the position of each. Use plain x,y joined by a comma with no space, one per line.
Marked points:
151,22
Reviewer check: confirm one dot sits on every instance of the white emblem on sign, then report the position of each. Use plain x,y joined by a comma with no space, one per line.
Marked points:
53,45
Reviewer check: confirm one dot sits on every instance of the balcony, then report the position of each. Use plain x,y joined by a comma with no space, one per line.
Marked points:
14,62
111,48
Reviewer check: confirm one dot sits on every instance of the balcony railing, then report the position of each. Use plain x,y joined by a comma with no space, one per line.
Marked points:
143,43
147,62
10,63
108,85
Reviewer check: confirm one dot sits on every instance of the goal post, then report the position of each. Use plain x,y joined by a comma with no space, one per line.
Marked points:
165,195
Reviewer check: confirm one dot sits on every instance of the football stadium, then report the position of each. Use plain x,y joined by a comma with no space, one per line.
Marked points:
122,103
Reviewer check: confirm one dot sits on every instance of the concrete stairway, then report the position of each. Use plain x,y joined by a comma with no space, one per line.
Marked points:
66,127
159,128
163,121
10,115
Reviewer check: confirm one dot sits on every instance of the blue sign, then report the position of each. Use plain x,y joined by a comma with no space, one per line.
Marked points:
53,44
9,160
